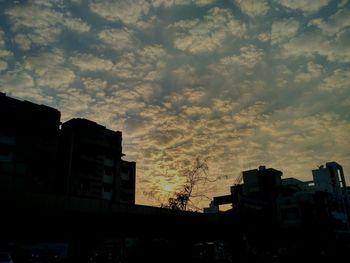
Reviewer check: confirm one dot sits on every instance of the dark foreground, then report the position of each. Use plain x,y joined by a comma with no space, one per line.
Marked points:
73,231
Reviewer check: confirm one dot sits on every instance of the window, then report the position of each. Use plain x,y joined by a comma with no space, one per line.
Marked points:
289,214
5,152
107,187
126,184
85,186
125,176
109,162
126,197
108,170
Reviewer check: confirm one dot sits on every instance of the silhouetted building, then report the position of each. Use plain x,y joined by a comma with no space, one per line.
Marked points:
263,182
28,145
91,162
260,187
330,179
212,209
82,159
127,182
264,200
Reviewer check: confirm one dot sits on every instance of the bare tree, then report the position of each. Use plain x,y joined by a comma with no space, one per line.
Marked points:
196,178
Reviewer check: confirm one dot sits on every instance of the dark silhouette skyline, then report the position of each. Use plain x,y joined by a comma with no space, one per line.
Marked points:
78,158
66,188
244,82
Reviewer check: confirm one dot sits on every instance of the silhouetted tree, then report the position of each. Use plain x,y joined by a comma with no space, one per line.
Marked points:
196,177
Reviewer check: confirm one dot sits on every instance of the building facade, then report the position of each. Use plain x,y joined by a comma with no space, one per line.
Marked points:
91,158
330,179
291,203
78,158
28,145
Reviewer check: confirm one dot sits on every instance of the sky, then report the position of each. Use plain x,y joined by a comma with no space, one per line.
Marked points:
241,83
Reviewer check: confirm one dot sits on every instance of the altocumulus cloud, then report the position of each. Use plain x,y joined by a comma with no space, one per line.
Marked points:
242,83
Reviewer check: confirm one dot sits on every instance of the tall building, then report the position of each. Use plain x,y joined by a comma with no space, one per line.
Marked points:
82,159
91,156
28,145
127,182
263,181
330,179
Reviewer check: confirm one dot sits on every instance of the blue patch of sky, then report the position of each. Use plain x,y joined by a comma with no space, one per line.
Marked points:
327,11
324,101
235,10
6,3
176,13
327,65
5,26
72,41
77,9
157,35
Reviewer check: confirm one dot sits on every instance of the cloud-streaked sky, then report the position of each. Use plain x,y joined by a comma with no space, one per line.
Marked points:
242,82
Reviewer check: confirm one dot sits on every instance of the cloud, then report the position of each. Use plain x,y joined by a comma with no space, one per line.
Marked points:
74,102
185,75
170,3
224,106
305,136
306,44
305,5
335,23
33,16
251,116
58,77
264,37
236,82
339,80
89,62
145,64
283,30
180,137
76,24
342,3
21,84
23,41
207,35
195,96
247,138
186,78
49,69
196,111
94,85
146,91
3,65
41,62
249,56
39,24
4,53
14,80
2,39
118,39
44,71
253,8
314,43
313,71
128,12
204,2
136,126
